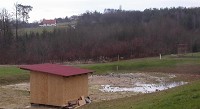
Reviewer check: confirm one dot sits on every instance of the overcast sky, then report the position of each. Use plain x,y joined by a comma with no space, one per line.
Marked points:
50,9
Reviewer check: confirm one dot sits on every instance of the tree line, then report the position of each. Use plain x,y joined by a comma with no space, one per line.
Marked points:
105,36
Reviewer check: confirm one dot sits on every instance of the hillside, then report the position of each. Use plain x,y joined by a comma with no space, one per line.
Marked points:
105,36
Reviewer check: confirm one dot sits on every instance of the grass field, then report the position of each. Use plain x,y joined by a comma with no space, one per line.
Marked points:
34,30
182,97
39,30
170,64
12,74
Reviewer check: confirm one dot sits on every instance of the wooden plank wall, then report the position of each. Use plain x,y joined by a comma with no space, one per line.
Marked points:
75,86
39,88
57,90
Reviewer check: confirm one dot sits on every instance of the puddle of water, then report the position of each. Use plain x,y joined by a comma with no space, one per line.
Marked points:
142,88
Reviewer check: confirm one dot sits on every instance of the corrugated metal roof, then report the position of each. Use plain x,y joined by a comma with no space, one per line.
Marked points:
56,69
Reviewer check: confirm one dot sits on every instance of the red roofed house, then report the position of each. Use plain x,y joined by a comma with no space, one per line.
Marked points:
48,23
53,84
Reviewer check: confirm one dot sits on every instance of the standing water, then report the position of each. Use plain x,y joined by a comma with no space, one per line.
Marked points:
142,88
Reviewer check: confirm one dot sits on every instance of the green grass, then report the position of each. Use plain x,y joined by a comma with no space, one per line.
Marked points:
39,29
182,97
35,30
12,74
145,64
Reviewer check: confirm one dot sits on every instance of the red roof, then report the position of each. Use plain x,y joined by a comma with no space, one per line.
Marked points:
56,69
49,21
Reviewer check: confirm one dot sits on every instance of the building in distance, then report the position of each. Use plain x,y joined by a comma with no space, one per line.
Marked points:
48,23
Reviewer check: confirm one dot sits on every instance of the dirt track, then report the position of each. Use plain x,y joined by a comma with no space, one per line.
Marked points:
17,96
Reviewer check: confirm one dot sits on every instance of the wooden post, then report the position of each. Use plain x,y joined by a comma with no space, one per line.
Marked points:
118,61
160,56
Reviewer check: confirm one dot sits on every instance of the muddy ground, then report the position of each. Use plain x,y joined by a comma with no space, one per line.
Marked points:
17,95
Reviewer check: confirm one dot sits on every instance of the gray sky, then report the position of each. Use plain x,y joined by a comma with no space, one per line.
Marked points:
50,9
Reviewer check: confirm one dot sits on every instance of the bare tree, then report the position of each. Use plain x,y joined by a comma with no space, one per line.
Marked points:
16,20
21,11
4,18
24,10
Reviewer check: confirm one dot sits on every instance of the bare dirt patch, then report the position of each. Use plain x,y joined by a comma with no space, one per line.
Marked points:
113,86
17,95
12,99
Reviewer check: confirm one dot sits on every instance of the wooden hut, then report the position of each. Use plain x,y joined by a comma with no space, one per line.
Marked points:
56,85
